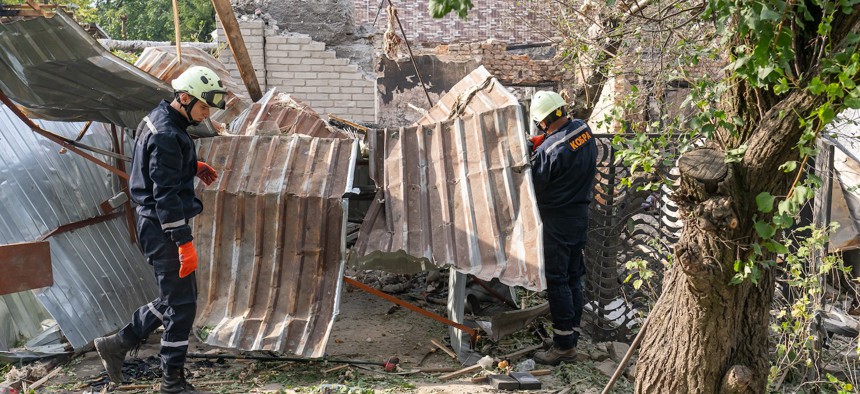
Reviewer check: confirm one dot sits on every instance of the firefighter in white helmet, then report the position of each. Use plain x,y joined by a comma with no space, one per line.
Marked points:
163,167
564,165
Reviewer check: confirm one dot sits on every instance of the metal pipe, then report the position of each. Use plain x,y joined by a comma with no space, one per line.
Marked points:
473,333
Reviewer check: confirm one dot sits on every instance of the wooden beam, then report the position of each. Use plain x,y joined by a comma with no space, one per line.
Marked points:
237,45
176,31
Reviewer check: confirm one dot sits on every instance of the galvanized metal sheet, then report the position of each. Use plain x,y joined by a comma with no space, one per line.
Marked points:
271,241
20,317
57,71
100,277
19,261
458,192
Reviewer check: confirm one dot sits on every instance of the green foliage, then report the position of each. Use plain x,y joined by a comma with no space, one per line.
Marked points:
440,8
152,20
797,347
129,57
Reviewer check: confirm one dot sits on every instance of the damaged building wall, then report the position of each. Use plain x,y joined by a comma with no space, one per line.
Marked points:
443,66
398,86
514,22
297,65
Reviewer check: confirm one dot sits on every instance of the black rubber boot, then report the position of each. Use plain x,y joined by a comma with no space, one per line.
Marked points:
112,350
173,382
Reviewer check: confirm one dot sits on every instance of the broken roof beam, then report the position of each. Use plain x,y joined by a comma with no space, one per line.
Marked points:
237,46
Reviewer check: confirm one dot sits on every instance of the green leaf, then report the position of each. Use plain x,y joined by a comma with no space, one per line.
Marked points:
756,249
785,207
816,87
826,114
764,72
776,247
801,194
769,15
764,229
788,166
852,102
765,202
781,87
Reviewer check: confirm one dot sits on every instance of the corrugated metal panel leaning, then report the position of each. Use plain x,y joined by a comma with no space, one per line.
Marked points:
271,241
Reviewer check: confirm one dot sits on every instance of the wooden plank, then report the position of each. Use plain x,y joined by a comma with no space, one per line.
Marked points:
444,348
237,45
25,266
176,32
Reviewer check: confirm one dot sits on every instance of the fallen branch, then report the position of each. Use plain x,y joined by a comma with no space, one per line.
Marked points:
337,368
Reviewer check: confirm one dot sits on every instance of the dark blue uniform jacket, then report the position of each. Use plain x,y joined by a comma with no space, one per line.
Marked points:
163,167
563,170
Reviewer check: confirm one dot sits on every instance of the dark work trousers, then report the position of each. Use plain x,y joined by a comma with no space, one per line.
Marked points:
563,241
177,304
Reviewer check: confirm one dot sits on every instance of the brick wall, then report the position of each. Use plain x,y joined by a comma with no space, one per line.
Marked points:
295,64
510,68
515,22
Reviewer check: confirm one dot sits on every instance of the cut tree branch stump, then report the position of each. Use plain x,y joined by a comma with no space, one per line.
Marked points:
703,166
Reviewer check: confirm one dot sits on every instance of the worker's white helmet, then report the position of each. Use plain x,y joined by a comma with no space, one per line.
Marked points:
203,84
544,103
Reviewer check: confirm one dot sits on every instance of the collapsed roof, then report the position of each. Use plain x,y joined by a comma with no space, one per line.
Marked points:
273,230
455,189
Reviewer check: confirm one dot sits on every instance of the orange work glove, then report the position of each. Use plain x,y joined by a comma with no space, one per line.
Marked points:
187,259
206,173
536,141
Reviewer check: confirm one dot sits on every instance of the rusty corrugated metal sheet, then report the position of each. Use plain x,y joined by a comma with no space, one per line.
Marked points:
458,192
161,63
477,93
57,71
281,114
271,241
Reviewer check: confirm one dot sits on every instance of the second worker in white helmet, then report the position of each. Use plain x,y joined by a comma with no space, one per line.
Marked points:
563,170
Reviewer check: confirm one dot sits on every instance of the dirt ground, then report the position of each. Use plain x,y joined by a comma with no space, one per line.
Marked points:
368,328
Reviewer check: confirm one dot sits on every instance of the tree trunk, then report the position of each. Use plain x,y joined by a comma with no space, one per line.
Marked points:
706,335
706,338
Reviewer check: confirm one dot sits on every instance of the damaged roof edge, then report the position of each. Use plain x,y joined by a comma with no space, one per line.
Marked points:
57,71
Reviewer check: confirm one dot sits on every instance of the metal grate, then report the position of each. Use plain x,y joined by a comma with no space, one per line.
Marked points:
622,229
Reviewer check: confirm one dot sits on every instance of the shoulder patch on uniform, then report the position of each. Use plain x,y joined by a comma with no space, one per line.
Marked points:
567,139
